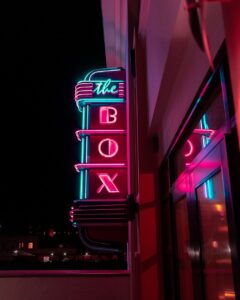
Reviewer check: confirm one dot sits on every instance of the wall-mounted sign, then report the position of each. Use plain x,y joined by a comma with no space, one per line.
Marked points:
102,165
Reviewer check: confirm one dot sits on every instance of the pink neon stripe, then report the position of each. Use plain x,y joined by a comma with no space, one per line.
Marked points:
83,91
83,94
205,131
96,166
79,88
83,87
99,131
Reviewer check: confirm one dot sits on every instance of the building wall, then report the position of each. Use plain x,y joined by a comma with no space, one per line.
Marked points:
158,34
110,287
184,71
150,277
231,13
170,69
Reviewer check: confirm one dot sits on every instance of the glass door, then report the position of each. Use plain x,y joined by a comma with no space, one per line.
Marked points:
183,258
209,193
182,240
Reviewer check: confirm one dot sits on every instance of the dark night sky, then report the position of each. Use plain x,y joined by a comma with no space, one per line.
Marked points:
44,51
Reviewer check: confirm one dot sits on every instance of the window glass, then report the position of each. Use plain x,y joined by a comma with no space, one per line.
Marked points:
216,250
205,127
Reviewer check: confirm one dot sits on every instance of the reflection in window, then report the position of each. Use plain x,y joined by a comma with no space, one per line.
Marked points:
204,130
216,251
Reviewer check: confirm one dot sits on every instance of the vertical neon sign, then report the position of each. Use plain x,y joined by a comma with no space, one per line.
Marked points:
102,166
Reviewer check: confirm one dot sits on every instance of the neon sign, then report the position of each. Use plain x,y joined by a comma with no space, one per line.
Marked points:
101,101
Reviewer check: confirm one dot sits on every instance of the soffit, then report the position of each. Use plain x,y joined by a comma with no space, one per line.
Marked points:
114,13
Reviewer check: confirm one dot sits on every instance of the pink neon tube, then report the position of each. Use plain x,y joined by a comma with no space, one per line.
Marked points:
98,131
78,167
209,132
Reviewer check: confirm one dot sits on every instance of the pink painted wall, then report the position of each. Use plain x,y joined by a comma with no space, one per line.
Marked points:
161,20
150,277
182,79
170,69
231,14
65,288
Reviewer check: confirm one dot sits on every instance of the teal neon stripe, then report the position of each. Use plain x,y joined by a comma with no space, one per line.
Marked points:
202,137
100,70
81,185
87,141
205,123
86,184
90,81
84,117
83,150
205,126
88,116
87,149
84,101
210,189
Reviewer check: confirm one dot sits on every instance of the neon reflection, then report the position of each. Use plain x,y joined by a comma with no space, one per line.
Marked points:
189,153
209,184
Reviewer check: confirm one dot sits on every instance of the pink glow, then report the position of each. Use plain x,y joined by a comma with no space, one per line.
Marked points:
108,183
121,89
83,89
96,166
112,148
84,92
106,117
207,132
98,131
190,149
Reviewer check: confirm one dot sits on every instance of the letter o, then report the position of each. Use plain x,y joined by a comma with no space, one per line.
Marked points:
112,147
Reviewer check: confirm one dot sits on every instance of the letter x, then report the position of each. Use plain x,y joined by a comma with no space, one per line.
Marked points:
108,183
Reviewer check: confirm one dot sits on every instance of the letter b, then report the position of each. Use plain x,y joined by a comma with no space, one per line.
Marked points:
107,115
